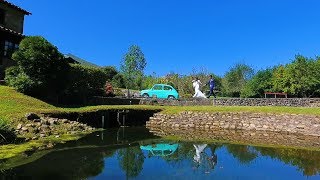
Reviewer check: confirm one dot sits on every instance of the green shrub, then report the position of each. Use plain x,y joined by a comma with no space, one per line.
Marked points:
85,81
41,69
18,79
110,72
118,81
118,92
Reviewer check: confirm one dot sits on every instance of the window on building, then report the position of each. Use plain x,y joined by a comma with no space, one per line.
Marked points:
9,48
2,16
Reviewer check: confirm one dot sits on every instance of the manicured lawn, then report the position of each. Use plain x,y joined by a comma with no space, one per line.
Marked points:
255,109
14,105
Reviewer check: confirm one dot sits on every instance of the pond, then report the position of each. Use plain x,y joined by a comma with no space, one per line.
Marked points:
135,153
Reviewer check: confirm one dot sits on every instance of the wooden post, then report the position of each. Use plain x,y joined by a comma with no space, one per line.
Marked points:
123,118
118,118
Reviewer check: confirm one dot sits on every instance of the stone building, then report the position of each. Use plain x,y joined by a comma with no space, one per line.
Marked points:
11,32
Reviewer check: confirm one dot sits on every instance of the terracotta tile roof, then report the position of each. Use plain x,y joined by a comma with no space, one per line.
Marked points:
10,31
14,6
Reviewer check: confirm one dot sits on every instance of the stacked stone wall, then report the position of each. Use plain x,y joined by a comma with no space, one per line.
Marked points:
293,102
284,123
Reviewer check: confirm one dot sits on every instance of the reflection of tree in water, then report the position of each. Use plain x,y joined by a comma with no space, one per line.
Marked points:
307,161
131,160
245,154
184,151
69,164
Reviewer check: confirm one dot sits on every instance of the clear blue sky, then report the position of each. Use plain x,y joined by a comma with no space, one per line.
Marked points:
179,35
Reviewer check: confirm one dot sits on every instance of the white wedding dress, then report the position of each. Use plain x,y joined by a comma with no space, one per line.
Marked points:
197,92
199,149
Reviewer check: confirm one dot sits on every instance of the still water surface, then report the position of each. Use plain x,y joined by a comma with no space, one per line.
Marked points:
134,153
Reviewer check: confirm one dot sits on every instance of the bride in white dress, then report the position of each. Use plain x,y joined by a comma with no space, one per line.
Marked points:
196,85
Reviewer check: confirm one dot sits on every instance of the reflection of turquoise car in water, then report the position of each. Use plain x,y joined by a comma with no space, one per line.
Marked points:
161,149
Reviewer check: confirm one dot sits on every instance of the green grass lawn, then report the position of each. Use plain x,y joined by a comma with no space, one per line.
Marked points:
14,106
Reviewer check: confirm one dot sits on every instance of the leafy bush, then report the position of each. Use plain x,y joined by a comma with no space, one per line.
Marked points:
85,81
118,92
235,79
41,66
260,83
18,79
110,72
301,78
118,81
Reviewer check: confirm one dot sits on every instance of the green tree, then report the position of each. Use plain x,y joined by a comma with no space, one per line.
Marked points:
118,81
235,79
85,81
132,67
131,160
43,65
110,72
149,81
244,154
306,161
260,83
301,78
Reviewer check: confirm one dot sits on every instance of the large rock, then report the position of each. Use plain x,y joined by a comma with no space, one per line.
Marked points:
19,126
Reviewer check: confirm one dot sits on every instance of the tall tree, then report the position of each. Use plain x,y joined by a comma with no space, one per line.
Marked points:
131,161
110,72
41,67
132,67
244,154
235,79
301,78
260,83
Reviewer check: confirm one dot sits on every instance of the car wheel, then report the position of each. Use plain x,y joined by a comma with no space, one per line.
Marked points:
171,97
145,95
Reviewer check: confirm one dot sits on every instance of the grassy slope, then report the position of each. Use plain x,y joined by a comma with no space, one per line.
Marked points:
13,107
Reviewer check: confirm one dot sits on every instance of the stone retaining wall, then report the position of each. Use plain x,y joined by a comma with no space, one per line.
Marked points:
285,123
294,102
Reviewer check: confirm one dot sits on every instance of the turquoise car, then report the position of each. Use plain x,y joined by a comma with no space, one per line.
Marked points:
163,91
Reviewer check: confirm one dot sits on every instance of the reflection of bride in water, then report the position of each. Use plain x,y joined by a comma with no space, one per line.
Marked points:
196,85
202,159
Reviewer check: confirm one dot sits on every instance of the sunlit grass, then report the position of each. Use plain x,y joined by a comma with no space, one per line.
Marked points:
14,105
